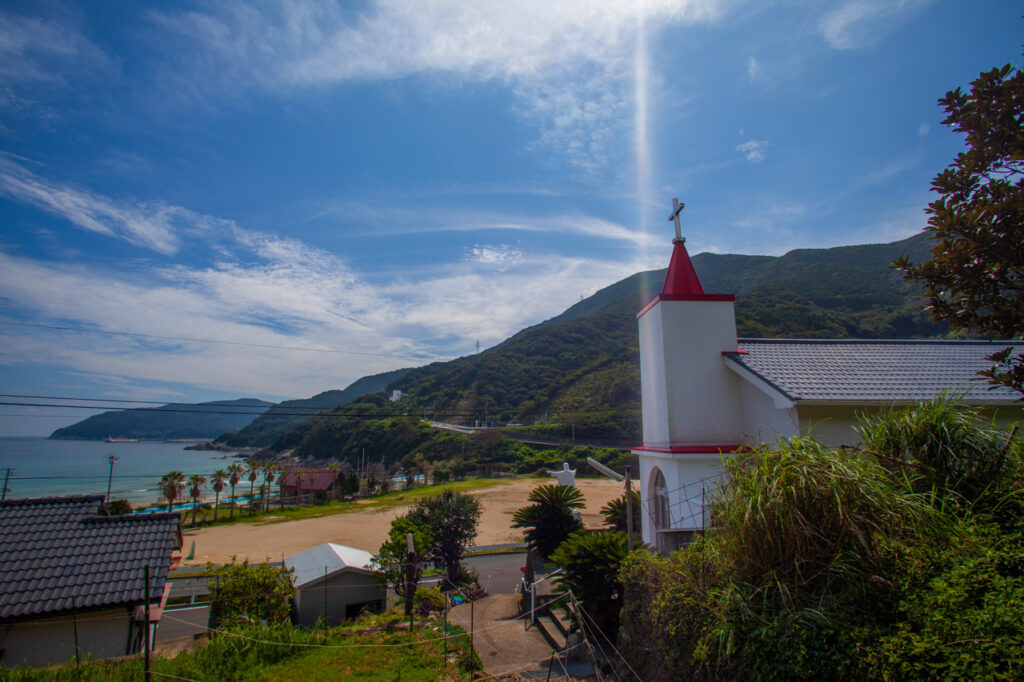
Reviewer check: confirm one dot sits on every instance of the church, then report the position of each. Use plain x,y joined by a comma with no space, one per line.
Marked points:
707,394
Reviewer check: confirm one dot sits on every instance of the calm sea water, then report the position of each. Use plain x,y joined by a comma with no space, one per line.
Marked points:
42,468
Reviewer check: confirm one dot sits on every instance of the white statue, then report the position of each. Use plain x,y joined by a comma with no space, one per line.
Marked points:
565,476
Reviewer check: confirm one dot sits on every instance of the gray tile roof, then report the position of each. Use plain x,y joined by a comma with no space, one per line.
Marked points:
873,371
57,548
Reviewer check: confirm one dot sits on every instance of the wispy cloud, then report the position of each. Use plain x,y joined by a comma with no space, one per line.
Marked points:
391,220
34,49
863,22
150,224
264,289
570,64
754,151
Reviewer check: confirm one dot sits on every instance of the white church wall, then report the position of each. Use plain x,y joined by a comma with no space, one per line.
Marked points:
763,422
693,396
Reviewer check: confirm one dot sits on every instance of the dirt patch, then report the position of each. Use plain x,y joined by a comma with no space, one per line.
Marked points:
367,529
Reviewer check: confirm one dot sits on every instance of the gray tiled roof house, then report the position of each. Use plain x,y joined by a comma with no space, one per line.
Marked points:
64,555
874,371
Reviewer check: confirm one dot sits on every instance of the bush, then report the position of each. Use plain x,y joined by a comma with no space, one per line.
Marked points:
429,599
549,521
590,562
251,594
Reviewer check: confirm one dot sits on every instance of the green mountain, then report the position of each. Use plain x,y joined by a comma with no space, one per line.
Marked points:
578,373
288,414
204,420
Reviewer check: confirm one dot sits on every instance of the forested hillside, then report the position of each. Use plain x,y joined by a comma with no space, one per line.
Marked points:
290,413
205,420
578,373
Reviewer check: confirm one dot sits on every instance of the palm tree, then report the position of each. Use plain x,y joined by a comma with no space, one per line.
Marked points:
235,472
269,469
253,466
335,469
195,482
549,520
171,485
217,483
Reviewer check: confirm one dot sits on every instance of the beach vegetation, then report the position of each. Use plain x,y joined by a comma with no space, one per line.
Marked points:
171,485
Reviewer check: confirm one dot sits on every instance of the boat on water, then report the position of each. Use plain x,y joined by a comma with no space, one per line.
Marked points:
111,439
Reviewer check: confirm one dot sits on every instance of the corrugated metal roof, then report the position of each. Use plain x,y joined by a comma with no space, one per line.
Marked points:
311,479
326,559
874,371
58,548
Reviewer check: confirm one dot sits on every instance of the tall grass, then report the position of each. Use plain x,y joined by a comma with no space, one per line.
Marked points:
942,448
795,517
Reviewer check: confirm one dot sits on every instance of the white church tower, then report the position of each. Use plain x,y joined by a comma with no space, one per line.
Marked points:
691,401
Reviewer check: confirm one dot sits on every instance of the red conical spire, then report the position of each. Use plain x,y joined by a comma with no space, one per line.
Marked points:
681,278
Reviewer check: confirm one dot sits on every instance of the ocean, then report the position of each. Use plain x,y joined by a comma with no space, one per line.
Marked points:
43,468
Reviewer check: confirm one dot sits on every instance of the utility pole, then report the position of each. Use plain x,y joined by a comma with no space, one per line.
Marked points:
410,582
145,620
3,493
110,474
629,510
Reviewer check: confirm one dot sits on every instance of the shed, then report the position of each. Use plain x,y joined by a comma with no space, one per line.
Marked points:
334,582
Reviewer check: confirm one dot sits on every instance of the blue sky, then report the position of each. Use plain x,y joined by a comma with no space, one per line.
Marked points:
390,182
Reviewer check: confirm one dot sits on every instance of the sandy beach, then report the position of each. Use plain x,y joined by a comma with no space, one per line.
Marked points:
367,529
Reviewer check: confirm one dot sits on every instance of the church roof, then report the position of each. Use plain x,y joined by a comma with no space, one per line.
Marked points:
681,278
872,371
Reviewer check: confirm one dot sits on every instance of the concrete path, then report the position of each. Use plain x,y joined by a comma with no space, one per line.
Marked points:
500,639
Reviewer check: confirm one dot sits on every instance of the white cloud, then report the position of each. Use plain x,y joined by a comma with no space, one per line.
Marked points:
501,257
153,225
33,49
570,63
862,22
754,151
264,289
753,68
924,129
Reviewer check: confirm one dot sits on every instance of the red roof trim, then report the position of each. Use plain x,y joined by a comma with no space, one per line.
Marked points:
738,351
693,449
684,297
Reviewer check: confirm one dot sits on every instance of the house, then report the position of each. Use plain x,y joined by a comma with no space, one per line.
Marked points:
706,394
307,481
72,578
334,582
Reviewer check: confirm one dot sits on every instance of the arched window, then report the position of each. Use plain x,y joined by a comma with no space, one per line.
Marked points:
658,500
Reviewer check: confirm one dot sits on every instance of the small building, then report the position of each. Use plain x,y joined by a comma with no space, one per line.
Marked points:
334,582
72,578
708,394
307,481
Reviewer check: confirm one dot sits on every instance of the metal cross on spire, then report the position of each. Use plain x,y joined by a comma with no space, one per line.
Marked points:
677,208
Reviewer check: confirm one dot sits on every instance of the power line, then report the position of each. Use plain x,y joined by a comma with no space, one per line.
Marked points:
198,340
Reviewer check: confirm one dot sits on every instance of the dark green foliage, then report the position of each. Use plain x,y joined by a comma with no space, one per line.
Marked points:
118,507
291,413
392,559
451,520
975,276
549,521
614,513
829,565
244,593
590,562
205,420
